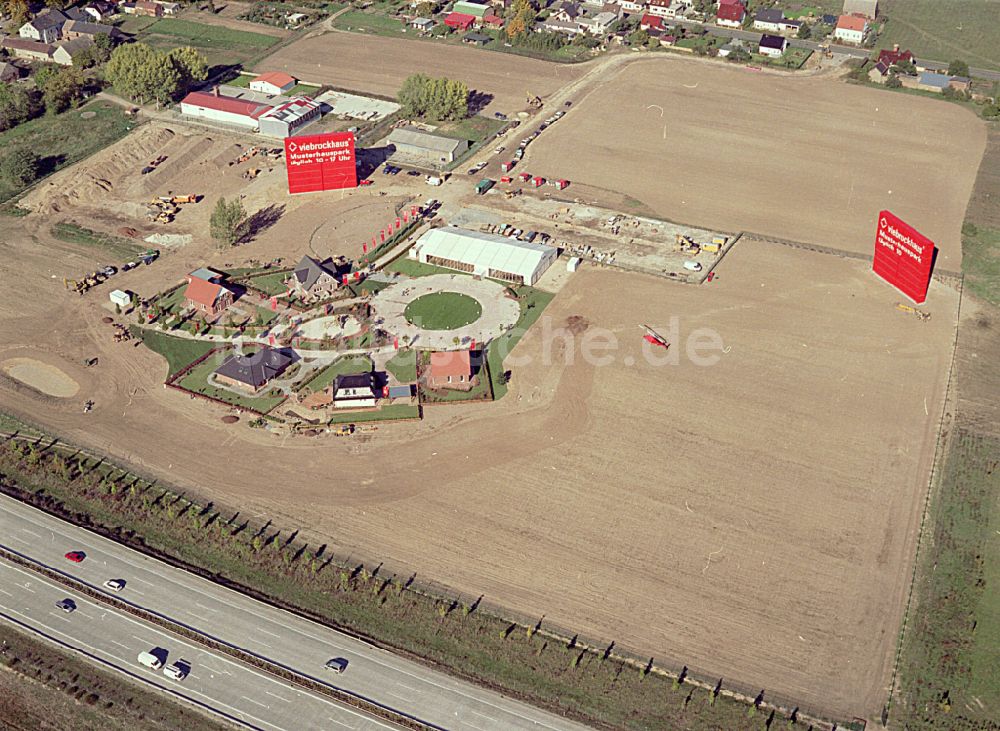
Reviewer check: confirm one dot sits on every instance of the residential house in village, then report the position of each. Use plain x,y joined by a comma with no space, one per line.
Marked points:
46,27
313,279
206,292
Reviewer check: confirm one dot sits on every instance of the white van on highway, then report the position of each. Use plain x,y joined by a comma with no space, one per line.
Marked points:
150,661
178,671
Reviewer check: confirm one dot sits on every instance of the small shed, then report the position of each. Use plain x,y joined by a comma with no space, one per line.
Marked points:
476,39
573,264
120,298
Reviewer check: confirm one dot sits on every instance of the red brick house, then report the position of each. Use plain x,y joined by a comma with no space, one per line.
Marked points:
895,56
451,369
651,22
206,293
148,7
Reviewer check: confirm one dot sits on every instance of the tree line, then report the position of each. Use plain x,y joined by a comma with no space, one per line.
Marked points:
143,74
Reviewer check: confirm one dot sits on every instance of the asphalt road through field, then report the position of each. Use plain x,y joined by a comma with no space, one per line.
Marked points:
237,620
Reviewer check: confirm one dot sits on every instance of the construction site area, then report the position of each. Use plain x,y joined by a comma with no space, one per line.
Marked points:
746,505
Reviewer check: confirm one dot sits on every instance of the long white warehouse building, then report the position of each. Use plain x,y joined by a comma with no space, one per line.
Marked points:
486,255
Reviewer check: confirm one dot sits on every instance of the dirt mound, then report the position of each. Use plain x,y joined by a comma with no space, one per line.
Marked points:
41,376
129,232
230,419
82,185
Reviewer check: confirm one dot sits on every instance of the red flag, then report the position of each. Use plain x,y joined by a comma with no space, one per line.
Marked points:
274,304
357,276
383,237
473,346
364,248
397,224
413,211
344,280
270,340
395,343
385,391
406,217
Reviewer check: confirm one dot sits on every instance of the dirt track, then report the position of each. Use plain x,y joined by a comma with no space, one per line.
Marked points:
803,158
379,66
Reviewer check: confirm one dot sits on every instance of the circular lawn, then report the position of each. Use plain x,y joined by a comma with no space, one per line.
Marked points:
443,311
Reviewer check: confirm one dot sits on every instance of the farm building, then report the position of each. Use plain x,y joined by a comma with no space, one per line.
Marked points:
85,29
223,109
253,371
451,369
206,293
422,24
31,50
273,82
288,118
486,255
476,10
46,27
426,147
65,51
459,21
772,46
313,279
354,390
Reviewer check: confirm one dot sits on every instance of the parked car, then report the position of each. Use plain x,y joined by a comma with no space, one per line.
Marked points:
498,149
130,265
337,664
67,605
76,556
567,104
413,173
151,661
543,126
366,182
114,584
500,115
109,270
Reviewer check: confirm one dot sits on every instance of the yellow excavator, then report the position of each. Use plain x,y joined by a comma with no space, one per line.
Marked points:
920,314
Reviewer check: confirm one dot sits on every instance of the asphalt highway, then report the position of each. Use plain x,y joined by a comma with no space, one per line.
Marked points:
216,682
255,627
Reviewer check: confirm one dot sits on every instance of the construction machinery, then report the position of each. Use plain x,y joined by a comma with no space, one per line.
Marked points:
919,314
344,430
251,173
534,101
180,199
686,245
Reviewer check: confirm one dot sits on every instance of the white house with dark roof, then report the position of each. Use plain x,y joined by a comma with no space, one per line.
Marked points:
772,46
67,50
354,390
45,27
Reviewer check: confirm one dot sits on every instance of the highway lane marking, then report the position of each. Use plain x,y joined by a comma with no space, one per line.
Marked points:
339,723
198,616
268,633
213,670
207,609
400,685
116,642
28,588
286,700
5,593
30,532
306,630
253,701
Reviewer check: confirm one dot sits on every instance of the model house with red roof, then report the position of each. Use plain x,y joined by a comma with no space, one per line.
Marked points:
459,21
273,82
451,369
851,29
206,292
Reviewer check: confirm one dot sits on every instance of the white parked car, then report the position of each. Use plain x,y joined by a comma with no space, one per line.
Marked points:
433,180
692,266
114,584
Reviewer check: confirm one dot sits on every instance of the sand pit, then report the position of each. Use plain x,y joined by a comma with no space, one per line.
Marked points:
41,376
805,159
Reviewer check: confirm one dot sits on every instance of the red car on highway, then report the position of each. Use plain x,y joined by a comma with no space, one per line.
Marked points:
76,556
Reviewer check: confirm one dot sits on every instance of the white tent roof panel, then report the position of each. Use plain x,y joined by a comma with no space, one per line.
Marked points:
485,251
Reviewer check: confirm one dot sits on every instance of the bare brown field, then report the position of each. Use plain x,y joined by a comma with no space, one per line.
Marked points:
366,63
753,520
802,158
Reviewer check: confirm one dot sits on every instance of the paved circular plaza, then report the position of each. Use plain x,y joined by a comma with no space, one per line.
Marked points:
499,313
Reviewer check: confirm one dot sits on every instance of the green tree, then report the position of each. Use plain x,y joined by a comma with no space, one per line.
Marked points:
102,48
20,167
905,67
456,99
893,81
17,105
805,31
991,111
141,74
739,55
62,89
190,66
228,221
56,4
412,95
958,68
638,37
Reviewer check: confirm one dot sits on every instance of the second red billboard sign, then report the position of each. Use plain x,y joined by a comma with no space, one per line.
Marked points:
903,256
321,162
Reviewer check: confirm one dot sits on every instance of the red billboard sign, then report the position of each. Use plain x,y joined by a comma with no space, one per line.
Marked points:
321,162
903,256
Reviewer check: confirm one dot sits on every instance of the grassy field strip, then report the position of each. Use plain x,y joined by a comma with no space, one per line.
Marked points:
965,29
209,36
248,658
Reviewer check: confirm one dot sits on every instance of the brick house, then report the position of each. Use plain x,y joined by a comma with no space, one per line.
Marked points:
206,292
451,369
